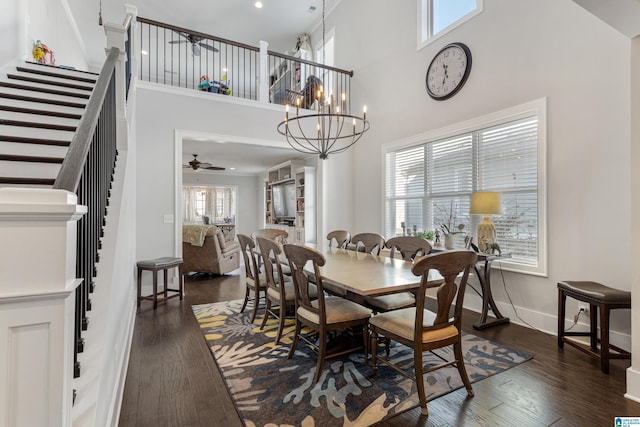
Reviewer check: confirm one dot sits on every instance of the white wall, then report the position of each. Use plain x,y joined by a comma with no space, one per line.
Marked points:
521,51
248,216
12,30
163,113
49,21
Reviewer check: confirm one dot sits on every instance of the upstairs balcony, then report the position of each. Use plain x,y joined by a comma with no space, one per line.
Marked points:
179,57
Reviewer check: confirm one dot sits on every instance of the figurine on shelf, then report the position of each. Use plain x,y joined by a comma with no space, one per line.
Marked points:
436,241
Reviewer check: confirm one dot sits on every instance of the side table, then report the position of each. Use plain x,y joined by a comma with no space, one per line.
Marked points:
487,296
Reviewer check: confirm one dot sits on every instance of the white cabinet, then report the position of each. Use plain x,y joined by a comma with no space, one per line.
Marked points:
290,200
288,76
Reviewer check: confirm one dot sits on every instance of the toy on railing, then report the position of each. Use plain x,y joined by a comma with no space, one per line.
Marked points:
43,53
208,85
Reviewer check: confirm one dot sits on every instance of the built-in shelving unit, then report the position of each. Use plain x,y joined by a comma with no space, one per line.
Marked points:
290,201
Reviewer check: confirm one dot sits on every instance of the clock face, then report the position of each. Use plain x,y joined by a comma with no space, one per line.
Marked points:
448,71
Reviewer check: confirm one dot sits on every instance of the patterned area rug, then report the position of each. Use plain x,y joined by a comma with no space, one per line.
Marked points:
271,390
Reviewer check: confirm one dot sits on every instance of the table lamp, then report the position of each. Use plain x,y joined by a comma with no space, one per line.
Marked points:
486,203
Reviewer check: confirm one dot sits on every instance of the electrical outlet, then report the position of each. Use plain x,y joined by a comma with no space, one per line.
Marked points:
584,307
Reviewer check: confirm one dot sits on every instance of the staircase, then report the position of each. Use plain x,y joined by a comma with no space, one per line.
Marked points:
40,108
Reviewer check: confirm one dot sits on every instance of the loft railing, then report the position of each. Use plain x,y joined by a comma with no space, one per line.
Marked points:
190,59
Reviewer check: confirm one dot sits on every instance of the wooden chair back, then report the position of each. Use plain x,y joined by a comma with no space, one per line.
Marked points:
247,247
410,247
270,250
276,234
371,242
450,265
341,237
298,256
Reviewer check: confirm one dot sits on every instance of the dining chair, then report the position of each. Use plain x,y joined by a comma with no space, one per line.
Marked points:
324,314
340,237
425,330
277,235
280,292
255,282
368,242
409,248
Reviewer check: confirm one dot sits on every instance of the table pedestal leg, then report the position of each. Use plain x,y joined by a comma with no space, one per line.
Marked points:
487,300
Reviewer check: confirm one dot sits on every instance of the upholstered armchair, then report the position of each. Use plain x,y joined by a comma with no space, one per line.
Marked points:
204,250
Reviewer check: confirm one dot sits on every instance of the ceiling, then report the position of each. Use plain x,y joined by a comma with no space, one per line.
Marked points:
246,159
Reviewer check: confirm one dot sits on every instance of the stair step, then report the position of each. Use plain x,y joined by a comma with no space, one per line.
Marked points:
34,141
36,125
35,132
18,169
62,70
50,82
30,159
42,182
9,104
42,100
26,119
41,89
56,74
21,111
31,150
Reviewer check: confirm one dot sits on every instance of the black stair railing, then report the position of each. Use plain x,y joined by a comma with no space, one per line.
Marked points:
87,170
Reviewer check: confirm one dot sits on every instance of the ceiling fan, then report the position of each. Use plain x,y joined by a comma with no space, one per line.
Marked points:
196,43
196,165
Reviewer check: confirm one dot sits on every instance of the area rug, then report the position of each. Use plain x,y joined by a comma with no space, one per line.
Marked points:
270,390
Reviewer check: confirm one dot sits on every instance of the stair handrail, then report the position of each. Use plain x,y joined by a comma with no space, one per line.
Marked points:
73,164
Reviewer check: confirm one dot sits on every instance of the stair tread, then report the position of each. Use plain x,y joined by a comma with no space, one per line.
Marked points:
35,141
48,82
44,90
36,159
37,125
53,73
17,111
42,100
56,67
23,181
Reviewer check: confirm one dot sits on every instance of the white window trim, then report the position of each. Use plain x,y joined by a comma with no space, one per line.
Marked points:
537,107
424,30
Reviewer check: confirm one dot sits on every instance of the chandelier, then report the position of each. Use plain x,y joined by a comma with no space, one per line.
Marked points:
330,129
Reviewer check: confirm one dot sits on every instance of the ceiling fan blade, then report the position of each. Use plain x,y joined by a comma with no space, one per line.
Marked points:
178,41
204,165
208,47
215,168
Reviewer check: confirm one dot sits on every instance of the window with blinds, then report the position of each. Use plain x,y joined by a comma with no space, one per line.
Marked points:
429,184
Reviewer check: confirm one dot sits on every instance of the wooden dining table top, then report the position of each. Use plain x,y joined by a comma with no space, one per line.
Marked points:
364,274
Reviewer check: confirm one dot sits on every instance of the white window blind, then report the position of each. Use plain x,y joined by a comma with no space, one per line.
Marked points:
430,183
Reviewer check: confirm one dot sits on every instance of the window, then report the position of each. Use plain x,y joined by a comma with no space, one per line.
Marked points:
217,203
437,17
429,181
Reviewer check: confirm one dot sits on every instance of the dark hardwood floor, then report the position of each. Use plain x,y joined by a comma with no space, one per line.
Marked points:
173,380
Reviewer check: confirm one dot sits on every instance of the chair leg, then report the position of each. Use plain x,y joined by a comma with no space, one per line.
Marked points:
562,299
283,310
256,303
246,299
266,313
322,349
417,357
457,351
604,338
374,351
294,344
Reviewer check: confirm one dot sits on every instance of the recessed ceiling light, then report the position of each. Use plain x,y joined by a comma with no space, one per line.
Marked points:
232,169
258,4
144,52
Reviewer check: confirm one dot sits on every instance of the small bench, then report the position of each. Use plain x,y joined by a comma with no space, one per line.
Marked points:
604,299
154,265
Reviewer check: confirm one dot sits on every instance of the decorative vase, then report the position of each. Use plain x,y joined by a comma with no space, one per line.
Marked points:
448,241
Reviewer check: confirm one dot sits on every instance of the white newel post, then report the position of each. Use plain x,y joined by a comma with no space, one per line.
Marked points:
37,305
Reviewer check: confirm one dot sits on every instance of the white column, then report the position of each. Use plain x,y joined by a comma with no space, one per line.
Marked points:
633,372
263,95
37,305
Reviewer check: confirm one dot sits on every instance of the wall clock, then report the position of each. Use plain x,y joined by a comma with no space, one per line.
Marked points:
448,71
